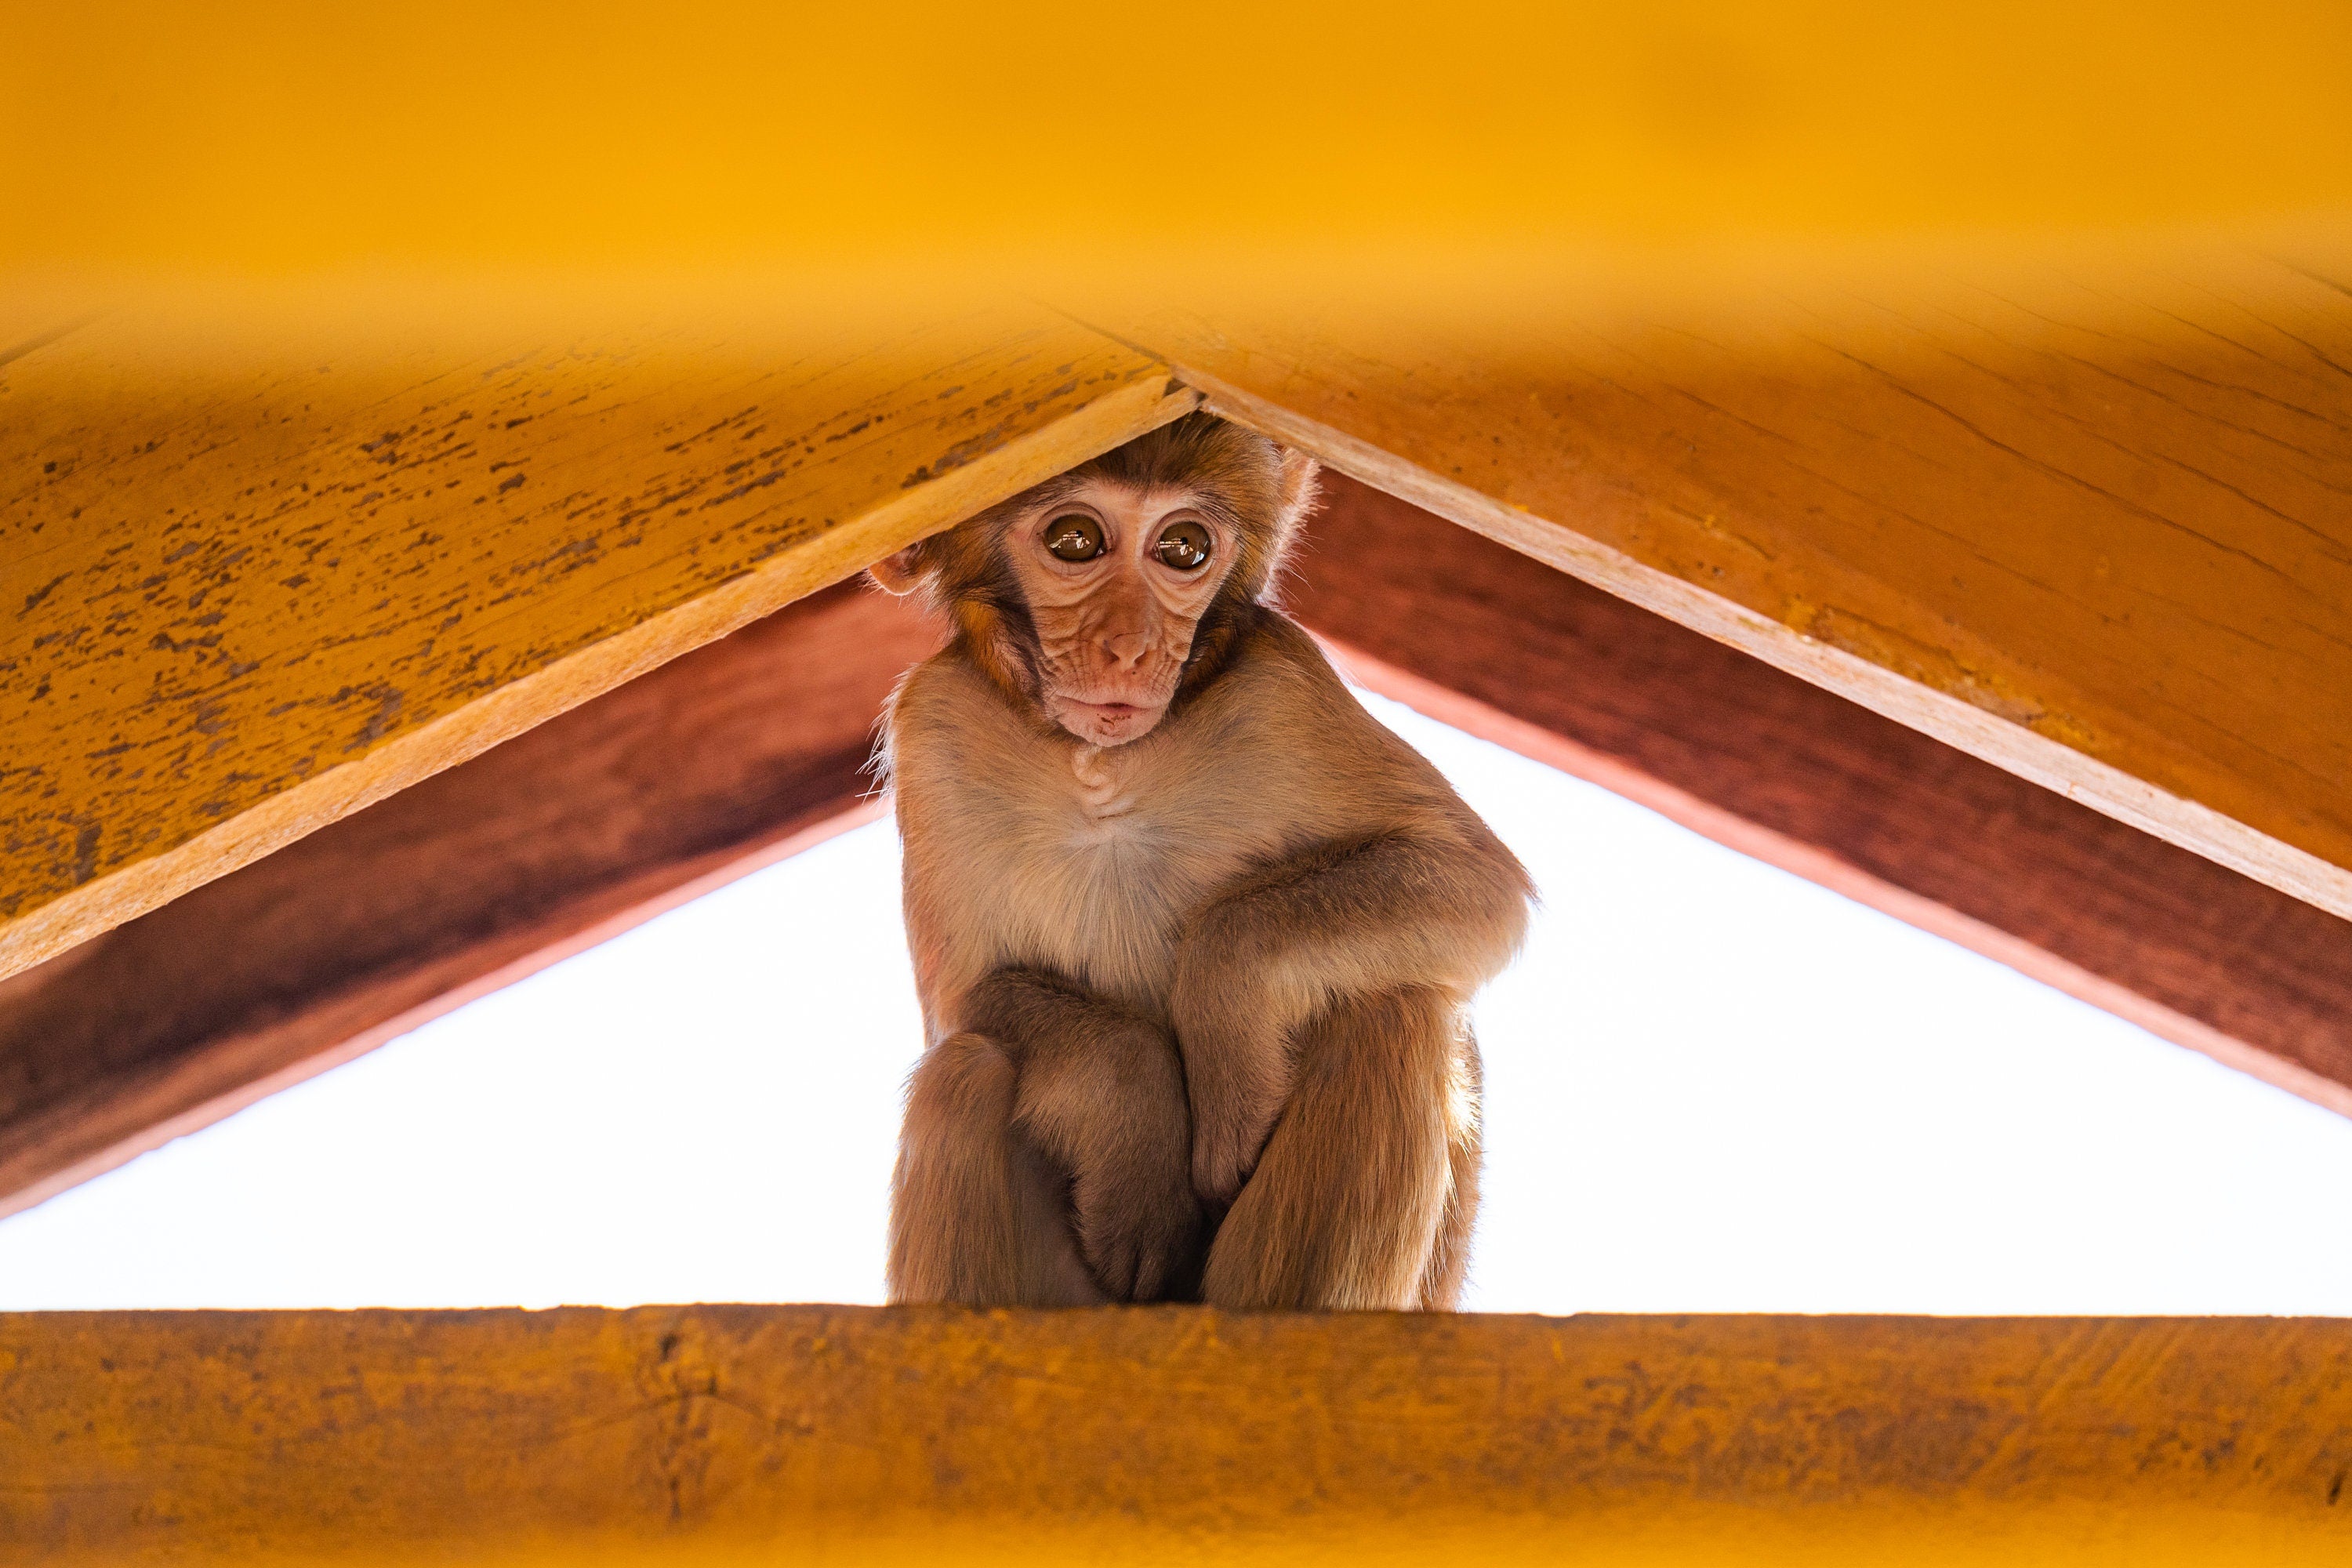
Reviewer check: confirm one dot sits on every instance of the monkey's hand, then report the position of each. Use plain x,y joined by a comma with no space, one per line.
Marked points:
1428,908
1101,1092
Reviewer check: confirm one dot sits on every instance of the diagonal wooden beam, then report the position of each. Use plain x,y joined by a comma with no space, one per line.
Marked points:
260,569
717,762
711,1435
1485,638
2087,516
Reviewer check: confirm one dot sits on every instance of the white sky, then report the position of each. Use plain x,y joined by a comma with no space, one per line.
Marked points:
1712,1087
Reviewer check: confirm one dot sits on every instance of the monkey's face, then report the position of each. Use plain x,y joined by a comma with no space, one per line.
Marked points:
1094,597
1116,581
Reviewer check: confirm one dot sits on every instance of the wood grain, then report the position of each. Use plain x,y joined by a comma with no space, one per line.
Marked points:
256,575
2095,529
714,763
832,1434
1776,767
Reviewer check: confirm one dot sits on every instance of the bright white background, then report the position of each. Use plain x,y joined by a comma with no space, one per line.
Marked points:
1712,1087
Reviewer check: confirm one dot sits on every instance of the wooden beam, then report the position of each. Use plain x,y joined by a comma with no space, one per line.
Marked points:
713,1434
2092,527
1485,639
258,571
218,135
719,762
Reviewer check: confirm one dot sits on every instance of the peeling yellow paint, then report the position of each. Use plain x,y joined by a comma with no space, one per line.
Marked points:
1908,656
254,575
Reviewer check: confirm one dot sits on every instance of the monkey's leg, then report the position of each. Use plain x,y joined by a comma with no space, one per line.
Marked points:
1101,1092
1346,1206
1387,913
1449,1260
976,1216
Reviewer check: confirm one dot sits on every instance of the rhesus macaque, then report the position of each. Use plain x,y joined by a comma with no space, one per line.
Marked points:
1194,933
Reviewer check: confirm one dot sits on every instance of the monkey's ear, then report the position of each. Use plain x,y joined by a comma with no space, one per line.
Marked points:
1298,475
902,572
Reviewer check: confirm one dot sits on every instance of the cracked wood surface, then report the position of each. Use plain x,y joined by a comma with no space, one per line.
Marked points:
257,572
1485,639
2093,527
825,1435
719,762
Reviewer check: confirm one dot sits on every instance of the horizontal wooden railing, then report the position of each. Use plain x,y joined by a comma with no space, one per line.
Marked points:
830,1434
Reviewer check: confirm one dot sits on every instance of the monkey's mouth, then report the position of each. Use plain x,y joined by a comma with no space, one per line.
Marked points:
1106,724
1123,719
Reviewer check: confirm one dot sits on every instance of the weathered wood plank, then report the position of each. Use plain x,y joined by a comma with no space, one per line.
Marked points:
2097,530
1485,638
716,762
255,576
838,1435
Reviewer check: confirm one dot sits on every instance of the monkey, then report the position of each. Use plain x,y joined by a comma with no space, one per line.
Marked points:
1194,933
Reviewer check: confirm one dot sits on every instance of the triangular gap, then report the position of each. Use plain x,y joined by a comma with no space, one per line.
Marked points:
1817,865
1712,1085
1471,631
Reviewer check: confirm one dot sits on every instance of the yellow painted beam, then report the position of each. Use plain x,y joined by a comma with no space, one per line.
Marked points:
818,1434
274,134
261,564
2084,512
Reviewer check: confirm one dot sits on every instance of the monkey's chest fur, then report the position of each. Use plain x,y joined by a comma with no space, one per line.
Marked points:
1025,849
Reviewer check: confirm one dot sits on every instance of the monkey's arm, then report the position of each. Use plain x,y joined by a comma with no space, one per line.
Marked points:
1101,1092
1437,910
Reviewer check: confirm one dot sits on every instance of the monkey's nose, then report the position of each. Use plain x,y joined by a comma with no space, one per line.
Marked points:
1127,648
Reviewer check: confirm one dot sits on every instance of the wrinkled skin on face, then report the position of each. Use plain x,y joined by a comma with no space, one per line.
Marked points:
1113,630
1094,598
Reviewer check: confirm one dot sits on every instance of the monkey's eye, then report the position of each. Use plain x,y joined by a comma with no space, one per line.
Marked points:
1184,545
1073,537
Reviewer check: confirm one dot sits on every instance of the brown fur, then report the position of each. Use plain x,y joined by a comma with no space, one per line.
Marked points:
1199,968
